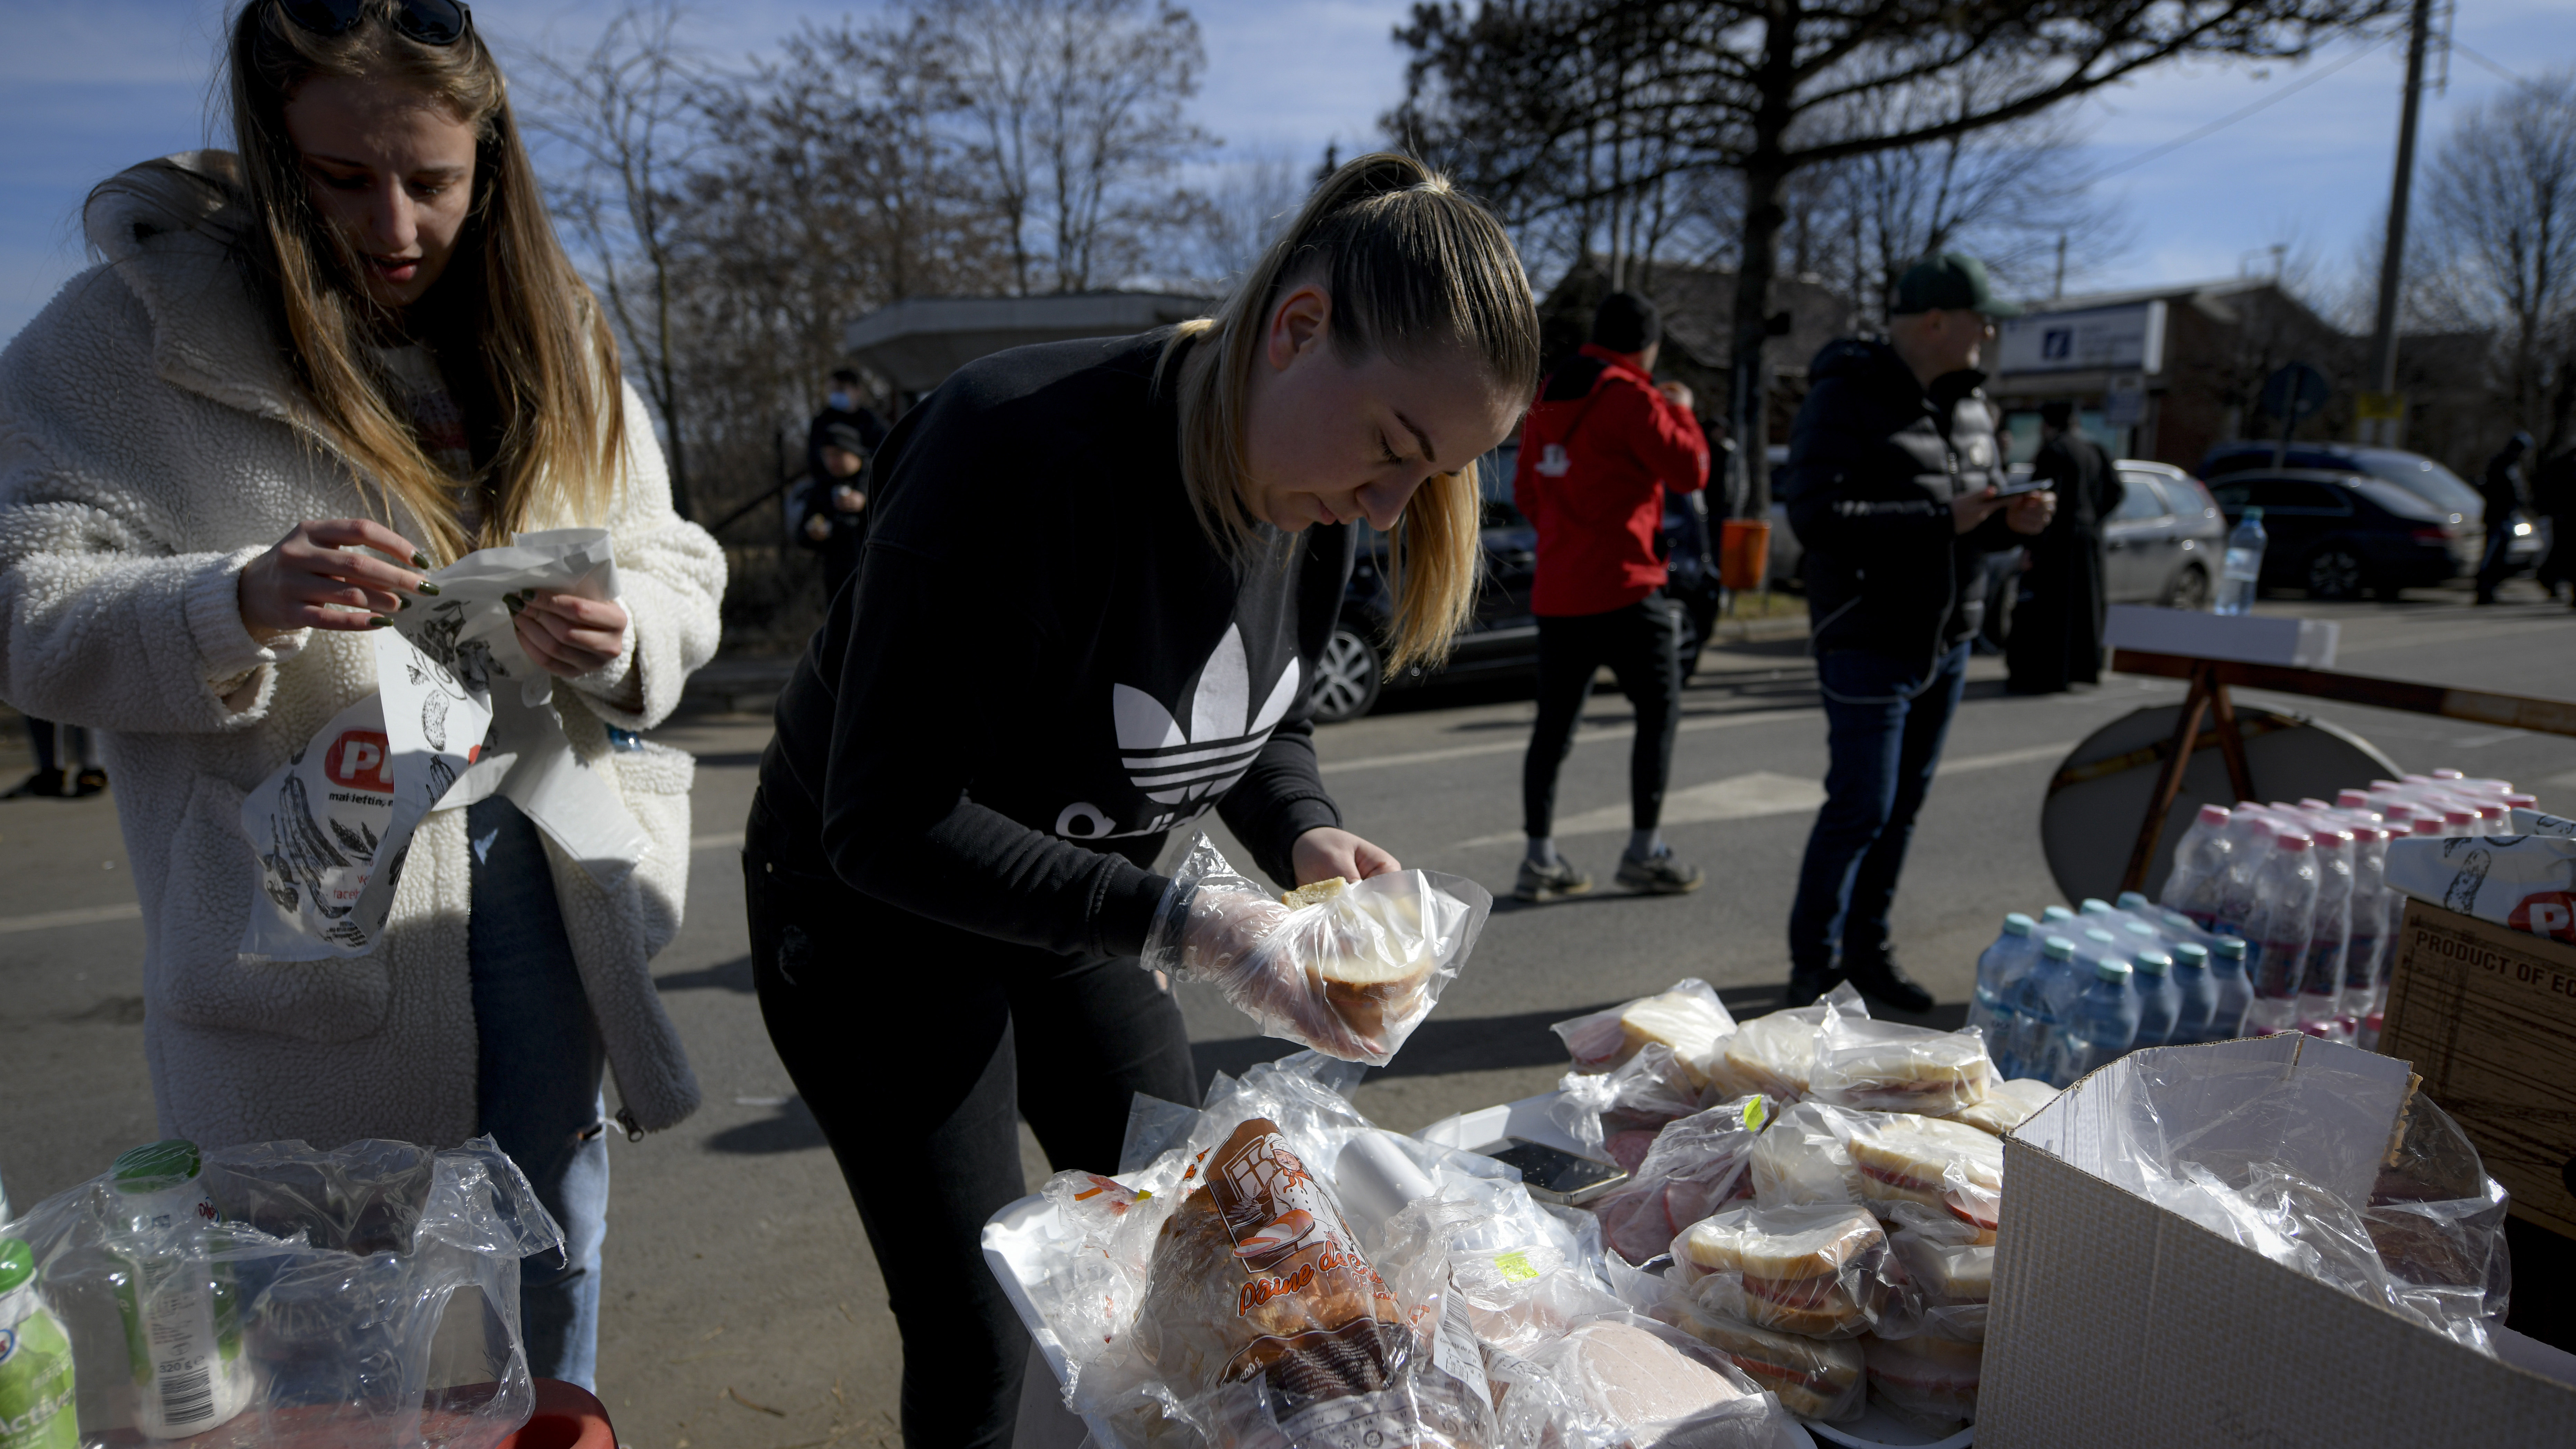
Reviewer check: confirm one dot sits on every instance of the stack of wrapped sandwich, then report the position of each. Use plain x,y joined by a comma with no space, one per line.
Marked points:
1830,1214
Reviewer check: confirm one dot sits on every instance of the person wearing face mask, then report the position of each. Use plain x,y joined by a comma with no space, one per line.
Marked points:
307,372
949,863
842,408
1895,469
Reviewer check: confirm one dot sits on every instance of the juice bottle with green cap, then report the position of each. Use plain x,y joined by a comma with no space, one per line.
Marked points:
35,1361
182,1315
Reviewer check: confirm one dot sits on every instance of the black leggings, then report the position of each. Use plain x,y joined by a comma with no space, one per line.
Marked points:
1641,646
919,1047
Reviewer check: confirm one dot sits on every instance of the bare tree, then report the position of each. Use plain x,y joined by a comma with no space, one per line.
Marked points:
2502,250
625,110
1077,110
1768,88
1245,206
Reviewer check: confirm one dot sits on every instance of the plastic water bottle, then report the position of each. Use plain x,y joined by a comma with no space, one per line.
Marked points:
2244,565
2199,864
2050,983
2370,932
2329,931
2134,902
2239,890
2054,914
2285,914
2000,969
2159,999
2195,994
2102,1024
2179,928
2233,989
2141,935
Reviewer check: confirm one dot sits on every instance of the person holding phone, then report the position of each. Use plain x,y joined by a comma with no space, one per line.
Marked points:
1895,469
950,861
306,373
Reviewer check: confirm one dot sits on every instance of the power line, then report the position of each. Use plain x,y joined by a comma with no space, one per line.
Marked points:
2482,60
2232,117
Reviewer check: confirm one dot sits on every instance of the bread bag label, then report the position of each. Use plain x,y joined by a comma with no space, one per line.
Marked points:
1290,1240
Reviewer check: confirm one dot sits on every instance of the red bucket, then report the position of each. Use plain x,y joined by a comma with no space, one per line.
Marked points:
1743,552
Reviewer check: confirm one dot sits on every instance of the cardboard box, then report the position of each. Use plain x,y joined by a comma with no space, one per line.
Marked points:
2296,643
2488,1016
2118,1322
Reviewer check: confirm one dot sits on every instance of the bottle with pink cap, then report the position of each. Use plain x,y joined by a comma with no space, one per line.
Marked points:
2330,929
2283,919
2200,866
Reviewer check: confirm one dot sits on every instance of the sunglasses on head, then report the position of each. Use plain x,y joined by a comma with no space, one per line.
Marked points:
431,22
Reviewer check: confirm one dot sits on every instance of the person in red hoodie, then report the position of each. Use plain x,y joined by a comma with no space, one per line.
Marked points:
1599,450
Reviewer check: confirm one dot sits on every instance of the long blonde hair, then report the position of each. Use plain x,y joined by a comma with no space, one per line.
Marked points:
549,385
1414,269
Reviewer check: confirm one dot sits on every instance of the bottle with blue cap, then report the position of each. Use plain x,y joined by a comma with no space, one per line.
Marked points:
2242,572
2101,1024
2234,989
2034,1005
1999,969
2195,994
2159,1002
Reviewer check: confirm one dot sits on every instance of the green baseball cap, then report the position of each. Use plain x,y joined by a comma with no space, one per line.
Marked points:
1950,282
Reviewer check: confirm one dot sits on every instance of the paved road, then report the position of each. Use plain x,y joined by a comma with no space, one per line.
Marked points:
743,1306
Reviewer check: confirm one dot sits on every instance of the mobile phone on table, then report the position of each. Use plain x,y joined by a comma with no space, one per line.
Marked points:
1553,1174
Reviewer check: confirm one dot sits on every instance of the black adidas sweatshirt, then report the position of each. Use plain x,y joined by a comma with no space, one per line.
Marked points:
1045,666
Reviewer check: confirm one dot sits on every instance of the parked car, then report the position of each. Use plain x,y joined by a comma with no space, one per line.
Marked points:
2164,543
2447,492
1501,638
2341,534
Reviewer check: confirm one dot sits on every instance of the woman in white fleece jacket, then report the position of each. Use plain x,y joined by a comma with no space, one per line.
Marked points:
300,377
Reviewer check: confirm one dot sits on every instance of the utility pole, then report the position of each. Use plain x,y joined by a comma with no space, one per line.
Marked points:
2059,290
2392,257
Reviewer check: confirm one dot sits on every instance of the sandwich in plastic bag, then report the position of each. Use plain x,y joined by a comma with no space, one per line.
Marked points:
1621,1380
2007,1105
1696,1166
1615,1114
1951,1270
1822,1271
1349,970
1903,1157
1687,1018
1887,1066
1776,1054
1813,1378
273,1293
1928,1378
1804,1156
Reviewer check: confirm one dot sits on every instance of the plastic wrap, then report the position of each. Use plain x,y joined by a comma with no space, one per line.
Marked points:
1821,1271
1350,976
1902,1157
1775,1054
1696,1166
1615,1114
1687,1019
1929,1379
367,1296
1813,1378
2333,1172
1887,1066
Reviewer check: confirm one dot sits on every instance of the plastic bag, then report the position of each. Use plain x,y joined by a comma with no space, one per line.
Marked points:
1887,1066
2524,882
1623,1380
1930,1379
1614,1115
2007,1105
1350,976
1804,1156
1950,1265
1687,1018
1819,1271
1776,1054
1694,1168
1904,1157
367,1296
1813,1378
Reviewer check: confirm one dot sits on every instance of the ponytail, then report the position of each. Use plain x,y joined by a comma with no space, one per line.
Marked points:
1413,269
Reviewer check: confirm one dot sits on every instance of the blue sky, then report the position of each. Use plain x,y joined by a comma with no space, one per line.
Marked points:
97,85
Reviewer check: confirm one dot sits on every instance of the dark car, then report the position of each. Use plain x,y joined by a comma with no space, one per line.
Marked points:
2338,535
1501,637
2449,494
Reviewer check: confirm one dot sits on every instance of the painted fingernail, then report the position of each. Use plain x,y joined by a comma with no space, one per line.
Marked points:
402,601
377,621
514,601
419,560
427,587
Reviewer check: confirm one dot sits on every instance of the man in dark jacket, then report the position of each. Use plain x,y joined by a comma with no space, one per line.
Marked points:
1894,468
2056,637
1601,447
842,408
836,520
2553,497
2501,490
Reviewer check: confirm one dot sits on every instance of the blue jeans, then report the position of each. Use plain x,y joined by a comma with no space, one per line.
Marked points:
538,1081
1885,721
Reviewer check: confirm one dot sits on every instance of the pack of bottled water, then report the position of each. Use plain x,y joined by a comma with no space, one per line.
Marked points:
2276,917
